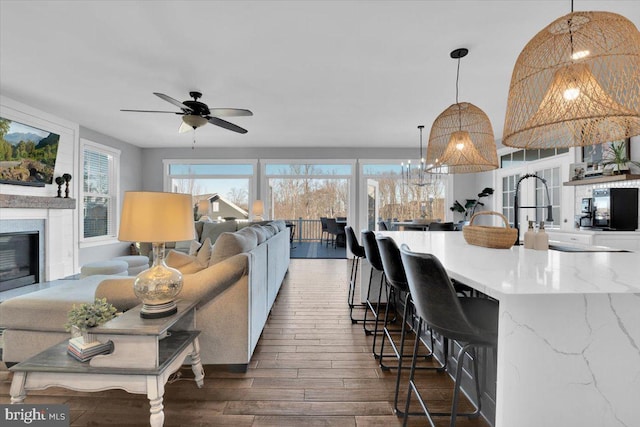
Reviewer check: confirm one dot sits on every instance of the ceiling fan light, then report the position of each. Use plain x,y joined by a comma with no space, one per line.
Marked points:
194,121
576,83
462,140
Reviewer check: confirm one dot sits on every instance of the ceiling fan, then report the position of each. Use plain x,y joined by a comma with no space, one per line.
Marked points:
196,114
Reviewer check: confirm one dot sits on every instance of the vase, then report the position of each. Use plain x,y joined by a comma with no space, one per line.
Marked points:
87,337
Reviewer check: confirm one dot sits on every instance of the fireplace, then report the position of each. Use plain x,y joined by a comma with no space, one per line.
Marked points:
19,259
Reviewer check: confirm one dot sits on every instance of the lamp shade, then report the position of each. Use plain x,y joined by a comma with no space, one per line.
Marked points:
576,83
156,217
258,208
462,141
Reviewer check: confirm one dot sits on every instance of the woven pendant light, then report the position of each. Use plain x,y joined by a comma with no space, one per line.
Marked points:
576,83
461,138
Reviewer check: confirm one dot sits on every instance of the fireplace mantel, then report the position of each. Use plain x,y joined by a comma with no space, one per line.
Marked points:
36,202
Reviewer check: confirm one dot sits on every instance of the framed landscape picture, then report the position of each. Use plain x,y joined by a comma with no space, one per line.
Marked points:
27,154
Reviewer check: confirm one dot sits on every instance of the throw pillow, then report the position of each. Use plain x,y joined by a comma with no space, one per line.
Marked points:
212,230
204,253
230,244
177,260
260,233
188,264
272,230
194,247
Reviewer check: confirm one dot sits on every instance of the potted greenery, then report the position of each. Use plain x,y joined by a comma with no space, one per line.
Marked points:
471,205
617,161
81,318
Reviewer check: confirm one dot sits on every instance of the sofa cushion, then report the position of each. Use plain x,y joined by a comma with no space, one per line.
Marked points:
272,230
212,230
280,224
261,233
229,244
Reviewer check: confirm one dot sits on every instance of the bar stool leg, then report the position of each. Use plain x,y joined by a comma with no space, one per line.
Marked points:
412,386
369,307
376,332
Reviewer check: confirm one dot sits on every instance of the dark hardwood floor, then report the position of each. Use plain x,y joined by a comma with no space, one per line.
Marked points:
312,367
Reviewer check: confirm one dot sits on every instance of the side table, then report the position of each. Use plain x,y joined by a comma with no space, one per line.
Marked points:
146,352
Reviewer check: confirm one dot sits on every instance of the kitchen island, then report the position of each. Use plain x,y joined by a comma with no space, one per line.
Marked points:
569,329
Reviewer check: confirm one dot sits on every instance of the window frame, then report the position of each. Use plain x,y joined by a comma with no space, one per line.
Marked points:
253,190
114,192
351,202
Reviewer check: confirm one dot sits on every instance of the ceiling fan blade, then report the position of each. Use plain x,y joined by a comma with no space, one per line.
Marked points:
225,124
184,128
229,112
153,111
173,101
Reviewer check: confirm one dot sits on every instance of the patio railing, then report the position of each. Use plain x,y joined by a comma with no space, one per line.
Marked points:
306,230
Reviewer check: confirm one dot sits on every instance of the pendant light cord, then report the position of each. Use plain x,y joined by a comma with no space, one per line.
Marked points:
570,32
457,103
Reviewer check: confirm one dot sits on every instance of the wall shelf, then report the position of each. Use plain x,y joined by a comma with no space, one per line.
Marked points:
601,180
36,202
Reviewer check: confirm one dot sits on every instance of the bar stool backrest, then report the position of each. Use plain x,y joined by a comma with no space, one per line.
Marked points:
371,249
392,263
435,298
352,242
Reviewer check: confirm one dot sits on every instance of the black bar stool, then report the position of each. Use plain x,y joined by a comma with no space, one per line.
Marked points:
397,281
358,253
471,321
373,256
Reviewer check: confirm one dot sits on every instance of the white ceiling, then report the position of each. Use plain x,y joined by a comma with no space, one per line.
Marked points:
314,73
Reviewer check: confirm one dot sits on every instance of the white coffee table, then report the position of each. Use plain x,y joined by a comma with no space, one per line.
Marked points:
146,352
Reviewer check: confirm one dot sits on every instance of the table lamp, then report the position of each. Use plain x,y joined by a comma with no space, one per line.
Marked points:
258,210
157,218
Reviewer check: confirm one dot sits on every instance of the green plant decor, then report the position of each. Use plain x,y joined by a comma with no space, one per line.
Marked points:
617,156
470,205
86,316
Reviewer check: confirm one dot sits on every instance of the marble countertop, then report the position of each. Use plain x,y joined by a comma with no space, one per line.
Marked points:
519,271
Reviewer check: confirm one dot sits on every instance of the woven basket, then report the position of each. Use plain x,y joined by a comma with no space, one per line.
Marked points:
490,237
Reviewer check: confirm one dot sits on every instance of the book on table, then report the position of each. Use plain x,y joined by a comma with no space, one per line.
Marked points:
83,352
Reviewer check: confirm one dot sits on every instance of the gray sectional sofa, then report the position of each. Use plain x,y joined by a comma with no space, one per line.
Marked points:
235,284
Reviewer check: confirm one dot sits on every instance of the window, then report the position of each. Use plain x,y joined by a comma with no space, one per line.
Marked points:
403,200
220,188
308,191
100,191
517,158
554,184
508,195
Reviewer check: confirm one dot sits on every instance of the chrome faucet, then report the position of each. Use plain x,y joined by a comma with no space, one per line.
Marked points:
517,207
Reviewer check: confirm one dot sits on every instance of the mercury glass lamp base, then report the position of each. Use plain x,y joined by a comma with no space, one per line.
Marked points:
157,311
